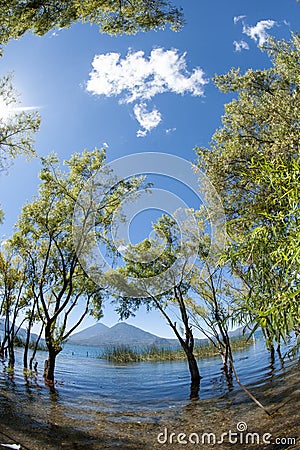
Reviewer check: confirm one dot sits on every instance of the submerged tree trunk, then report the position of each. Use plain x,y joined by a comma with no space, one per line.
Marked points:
269,345
193,366
272,354
49,368
195,374
26,347
27,341
6,338
227,357
11,360
53,351
3,346
227,368
11,355
188,345
35,348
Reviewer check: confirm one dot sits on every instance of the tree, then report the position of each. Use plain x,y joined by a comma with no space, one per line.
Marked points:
13,285
114,17
156,275
213,313
61,286
17,127
267,256
253,163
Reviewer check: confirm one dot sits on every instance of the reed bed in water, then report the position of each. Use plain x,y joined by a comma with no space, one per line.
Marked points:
126,353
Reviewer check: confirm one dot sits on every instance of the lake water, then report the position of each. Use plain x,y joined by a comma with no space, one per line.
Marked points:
89,383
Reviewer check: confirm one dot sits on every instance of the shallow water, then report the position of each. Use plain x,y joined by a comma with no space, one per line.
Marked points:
88,383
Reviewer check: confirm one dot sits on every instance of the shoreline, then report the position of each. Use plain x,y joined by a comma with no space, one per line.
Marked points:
56,426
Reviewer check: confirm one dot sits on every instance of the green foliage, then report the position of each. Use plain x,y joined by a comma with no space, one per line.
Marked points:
13,282
155,267
45,239
176,272
20,343
253,162
16,127
267,256
263,121
114,17
14,287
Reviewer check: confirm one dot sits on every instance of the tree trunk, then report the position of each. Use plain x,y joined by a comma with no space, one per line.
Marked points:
227,367
272,354
6,338
188,345
35,348
11,355
3,346
270,345
193,366
50,366
53,351
195,375
27,341
26,348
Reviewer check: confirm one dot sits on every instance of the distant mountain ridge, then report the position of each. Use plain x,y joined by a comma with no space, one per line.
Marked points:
91,333
100,335
121,333
21,333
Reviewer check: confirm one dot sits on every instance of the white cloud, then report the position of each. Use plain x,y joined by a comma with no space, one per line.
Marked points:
258,32
138,78
147,120
105,145
240,45
236,19
170,130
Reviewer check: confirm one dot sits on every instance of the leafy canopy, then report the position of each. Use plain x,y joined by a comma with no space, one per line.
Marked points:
17,127
44,236
253,162
113,16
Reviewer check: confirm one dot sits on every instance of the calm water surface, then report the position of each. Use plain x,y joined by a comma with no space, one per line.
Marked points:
86,382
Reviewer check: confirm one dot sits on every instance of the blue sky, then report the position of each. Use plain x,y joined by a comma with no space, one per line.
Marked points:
177,112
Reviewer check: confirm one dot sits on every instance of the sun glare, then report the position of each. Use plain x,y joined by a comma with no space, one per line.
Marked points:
5,111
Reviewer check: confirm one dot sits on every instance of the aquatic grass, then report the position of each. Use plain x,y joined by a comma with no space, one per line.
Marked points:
126,353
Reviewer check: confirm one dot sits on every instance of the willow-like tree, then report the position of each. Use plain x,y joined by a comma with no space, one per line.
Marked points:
155,276
13,299
267,256
253,162
213,312
114,17
45,230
